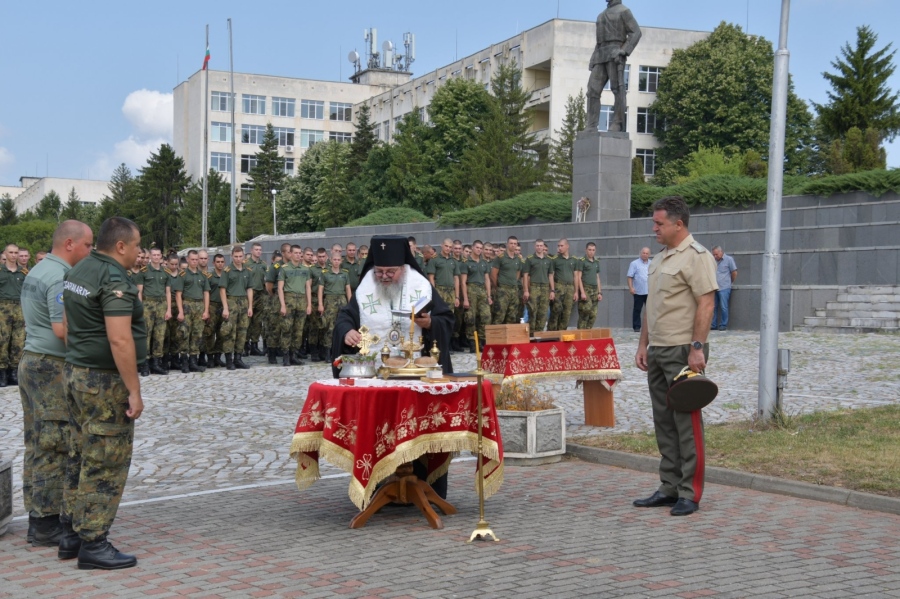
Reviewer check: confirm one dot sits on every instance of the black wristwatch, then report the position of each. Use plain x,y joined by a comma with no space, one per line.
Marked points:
696,345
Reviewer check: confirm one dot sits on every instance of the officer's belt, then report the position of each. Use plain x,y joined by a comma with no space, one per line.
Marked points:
508,286
157,298
9,301
446,287
540,284
42,356
474,283
188,300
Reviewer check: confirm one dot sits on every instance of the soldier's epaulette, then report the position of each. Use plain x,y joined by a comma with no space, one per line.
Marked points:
696,245
143,269
227,269
208,275
345,270
276,266
530,256
24,270
183,272
552,257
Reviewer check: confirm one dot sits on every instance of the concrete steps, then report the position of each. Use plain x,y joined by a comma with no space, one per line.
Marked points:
858,309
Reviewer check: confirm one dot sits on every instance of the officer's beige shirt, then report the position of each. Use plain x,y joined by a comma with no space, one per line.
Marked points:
677,277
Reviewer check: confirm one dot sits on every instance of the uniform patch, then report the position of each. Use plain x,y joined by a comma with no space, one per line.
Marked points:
118,293
59,299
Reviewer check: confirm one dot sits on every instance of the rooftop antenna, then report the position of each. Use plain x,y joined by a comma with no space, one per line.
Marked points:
388,53
372,55
353,57
409,42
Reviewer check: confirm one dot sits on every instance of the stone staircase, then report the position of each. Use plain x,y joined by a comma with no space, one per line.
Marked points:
858,309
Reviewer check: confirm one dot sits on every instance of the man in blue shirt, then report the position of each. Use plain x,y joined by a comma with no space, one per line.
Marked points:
726,273
637,285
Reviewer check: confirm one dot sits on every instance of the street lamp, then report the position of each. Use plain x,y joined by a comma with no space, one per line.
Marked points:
274,215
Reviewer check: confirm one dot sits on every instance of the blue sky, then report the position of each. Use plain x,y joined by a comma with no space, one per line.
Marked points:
86,85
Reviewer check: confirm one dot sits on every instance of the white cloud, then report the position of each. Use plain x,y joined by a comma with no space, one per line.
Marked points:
150,112
6,157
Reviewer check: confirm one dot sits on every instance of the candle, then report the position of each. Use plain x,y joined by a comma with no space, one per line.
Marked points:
412,323
477,351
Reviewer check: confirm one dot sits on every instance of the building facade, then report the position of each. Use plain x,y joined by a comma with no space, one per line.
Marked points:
33,189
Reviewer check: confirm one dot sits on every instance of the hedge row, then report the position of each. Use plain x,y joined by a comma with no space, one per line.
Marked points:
542,206
390,216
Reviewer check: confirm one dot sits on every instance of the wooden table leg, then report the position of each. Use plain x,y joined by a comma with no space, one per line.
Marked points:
406,487
598,405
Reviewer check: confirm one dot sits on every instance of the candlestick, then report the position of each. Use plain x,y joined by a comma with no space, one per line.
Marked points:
477,351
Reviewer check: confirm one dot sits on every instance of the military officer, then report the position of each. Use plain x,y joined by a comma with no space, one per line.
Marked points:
106,339
538,281
295,301
589,288
12,325
564,268
154,290
443,273
475,282
192,297
212,336
505,274
334,293
236,293
258,267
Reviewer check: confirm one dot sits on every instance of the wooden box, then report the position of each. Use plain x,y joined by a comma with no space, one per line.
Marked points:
576,334
504,334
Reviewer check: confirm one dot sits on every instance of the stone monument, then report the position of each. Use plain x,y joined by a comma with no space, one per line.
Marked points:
601,178
6,492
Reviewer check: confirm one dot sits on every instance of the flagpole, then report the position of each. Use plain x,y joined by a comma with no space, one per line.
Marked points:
206,142
233,137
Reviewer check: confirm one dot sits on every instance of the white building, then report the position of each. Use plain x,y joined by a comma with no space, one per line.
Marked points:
33,189
553,56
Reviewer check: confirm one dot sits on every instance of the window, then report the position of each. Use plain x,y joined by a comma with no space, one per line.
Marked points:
254,104
386,130
310,137
648,79
646,121
312,109
606,116
627,76
340,111
423,115
220,162
252,134
340,137
248,162
283,107
219,102
220,132
648,157
285,136
289,167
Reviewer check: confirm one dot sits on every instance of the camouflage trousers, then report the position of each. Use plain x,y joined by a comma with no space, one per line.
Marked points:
479,313
191,327
234,328
255,324
212,338
521,313
293,322
273,324
333,305
314,325
587,309
538,307
508,308
102,437
562,307
173,333
448,294
46,427
155,319
12,333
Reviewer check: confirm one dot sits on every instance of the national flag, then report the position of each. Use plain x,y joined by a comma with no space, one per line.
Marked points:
205,59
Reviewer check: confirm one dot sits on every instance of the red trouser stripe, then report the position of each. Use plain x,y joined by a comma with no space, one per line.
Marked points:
697,423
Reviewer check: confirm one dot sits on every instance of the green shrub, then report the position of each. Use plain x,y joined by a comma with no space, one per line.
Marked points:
877,182
390,216
34,235
544,206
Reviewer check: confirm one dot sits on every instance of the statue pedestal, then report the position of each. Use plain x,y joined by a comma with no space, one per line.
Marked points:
602,173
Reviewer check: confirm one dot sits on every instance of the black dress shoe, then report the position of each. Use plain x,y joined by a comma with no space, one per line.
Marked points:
684,507
101,555
655,500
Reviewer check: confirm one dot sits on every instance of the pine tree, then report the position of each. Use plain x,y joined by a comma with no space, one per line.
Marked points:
563,146
299,193
857,151
268,174
8,214
333,205
363,141
73,208
122,198
162,185
861,97
49,207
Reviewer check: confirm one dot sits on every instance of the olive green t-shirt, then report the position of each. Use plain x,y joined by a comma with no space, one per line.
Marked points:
564,269
316,273
295,278
236,282
154,282
538,269
508,269
475,271
191,285
272,274
95,288
11,283
258,270
353,269
213,280
589,271
334,283
443,269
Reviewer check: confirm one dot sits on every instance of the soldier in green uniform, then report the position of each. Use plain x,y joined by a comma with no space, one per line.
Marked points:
334,293
173,334
458,341
42,386
563,290
352,266
236,293
309,259
258,267
420,258
505,273
106,339
272,324
538,277
192,297
154,290
475,282
12,324
589,288
295,301
316,349
443,273
520,315
212,337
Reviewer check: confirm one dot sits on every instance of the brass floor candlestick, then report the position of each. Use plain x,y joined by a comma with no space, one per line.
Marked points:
481,531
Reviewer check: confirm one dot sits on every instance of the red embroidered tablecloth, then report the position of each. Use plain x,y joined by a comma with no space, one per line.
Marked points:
586,359
372,427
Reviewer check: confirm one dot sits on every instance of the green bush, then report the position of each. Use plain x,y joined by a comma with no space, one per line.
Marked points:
34,235
544,206
877,182
390,216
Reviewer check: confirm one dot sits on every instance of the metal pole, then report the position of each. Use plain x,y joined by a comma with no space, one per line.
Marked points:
771,276
274,215
233,138
203,235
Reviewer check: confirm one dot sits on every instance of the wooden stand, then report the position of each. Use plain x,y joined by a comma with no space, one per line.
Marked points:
406,487
598,405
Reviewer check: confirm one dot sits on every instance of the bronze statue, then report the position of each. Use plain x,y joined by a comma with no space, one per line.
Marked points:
618,34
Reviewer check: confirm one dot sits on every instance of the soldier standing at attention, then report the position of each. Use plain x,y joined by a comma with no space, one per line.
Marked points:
272,325
443,273
334,293
458,341
420,259
505,273
590,291
106,339
352,266
475,282
173,339
295,300
192,297
258,267
538,275
42,386
154,291
212,337
309,259
316,348
203,266
564,269
12,324
236,293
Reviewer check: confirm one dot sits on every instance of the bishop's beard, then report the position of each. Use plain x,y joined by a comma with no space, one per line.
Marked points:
391,292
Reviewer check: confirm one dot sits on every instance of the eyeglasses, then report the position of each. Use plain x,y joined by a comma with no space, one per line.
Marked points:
382,273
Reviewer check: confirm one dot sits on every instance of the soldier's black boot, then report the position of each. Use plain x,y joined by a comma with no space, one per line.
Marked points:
254,350
286,357
156,367
70,542
220,362
273,359
202,360
185,365
239,362
47,531
145,368
174,362
229,362
321,351
31,524
101,555
194,365
13,377
3,379
246,349
294,357
472,345
325,353
304,349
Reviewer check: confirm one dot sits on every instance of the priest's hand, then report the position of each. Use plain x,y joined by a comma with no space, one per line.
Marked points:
352,338
424,321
